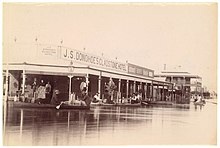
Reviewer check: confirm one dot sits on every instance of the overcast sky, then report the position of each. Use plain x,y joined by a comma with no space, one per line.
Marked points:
149,34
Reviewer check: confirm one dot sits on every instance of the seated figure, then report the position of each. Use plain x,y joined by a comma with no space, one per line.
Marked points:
96,98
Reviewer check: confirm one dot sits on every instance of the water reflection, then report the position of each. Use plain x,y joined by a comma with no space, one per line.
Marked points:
111,126
198,106
21,124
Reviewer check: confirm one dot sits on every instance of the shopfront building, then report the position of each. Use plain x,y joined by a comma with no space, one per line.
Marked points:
66,69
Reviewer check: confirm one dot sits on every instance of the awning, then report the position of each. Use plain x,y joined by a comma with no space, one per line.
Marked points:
162,79
54,73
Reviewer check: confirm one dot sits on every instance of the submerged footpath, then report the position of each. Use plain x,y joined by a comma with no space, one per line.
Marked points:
214,101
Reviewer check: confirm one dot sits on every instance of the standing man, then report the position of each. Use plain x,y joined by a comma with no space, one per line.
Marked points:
34,87
83,86
48,92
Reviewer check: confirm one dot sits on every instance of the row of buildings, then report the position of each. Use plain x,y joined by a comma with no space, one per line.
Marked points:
66,68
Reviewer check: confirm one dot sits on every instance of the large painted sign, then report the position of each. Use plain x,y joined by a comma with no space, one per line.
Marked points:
72,54
93,60
134,69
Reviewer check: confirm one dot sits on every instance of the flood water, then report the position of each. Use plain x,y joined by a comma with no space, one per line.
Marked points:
158,125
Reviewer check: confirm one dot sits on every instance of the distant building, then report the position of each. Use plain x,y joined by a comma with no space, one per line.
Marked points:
185,84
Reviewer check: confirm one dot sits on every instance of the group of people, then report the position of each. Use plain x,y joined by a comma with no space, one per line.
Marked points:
136,98
42,93
83,98
198,98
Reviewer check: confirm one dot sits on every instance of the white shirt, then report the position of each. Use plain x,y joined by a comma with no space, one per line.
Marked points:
97,97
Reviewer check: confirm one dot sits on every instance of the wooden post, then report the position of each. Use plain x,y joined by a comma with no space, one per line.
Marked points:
5,103
119,89
70,86
172,93
119,85
134,87
140,88
152,91
127,89
87,84
6,85
99,85
163,93
23,82
145,91
157,91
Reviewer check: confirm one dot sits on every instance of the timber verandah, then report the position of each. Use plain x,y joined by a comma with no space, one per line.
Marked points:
21,77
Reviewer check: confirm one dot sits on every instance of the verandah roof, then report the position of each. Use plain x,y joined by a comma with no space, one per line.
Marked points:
78,71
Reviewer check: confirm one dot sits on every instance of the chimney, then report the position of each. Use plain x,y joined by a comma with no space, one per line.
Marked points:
164,67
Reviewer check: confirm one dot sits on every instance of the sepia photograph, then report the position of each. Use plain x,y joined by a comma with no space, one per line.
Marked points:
109,73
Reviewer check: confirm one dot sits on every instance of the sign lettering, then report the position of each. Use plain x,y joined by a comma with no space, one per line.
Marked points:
145,73
140,70
49,51
131,70
71,54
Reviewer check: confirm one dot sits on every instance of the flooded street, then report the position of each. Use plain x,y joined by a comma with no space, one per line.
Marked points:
106,125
